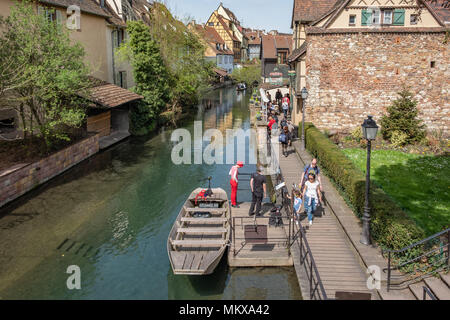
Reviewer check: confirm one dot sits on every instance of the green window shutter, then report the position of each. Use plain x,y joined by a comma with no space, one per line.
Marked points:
399,17
366,17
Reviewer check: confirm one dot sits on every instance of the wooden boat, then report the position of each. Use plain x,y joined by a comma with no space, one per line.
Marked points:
241,87
200,234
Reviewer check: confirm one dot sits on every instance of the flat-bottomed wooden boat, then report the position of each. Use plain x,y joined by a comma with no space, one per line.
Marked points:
200,234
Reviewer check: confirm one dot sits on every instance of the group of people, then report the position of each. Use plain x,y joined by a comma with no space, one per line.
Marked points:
286,126
309,193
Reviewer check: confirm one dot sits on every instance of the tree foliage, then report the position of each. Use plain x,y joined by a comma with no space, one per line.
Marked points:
42,75
168,65
151,77
402,118
249,74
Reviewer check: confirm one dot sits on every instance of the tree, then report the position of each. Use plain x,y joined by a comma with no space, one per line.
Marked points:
43,74
402,119
150,74
249,74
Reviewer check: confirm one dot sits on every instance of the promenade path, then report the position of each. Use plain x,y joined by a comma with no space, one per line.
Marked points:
338,265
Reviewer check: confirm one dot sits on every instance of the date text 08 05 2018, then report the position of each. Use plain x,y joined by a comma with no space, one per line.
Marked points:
233,309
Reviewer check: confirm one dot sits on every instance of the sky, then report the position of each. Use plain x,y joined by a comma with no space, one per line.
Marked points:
261,14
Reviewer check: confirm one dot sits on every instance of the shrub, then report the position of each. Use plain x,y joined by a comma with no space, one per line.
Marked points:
356,134
402,116
391,227
399,138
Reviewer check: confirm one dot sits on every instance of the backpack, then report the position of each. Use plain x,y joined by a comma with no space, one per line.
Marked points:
282,138
283,123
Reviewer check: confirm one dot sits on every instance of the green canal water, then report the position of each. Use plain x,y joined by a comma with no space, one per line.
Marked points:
111,216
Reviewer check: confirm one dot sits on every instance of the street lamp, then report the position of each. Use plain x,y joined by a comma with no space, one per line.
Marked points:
369,130
304,94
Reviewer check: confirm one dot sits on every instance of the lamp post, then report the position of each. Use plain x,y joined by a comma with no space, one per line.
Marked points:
369,130
304,94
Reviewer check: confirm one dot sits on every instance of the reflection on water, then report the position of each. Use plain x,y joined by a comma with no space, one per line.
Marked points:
111,216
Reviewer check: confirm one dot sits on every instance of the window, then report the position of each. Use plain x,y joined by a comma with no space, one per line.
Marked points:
413,19
432,64
122,79
211,24
375,17
220,59
387,17
51,14
282,57
352,20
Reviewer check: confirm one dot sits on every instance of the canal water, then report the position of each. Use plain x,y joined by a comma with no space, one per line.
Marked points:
111,216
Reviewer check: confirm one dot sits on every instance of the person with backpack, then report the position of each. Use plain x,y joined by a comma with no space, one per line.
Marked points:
234,182
258,188
312,196
310,168
285,139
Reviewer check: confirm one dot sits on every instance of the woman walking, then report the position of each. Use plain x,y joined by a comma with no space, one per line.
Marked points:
312,196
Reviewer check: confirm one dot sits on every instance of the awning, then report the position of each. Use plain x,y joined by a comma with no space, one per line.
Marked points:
220,72
107,95
263,95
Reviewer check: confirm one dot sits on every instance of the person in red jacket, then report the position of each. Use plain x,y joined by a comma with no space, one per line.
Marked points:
234,182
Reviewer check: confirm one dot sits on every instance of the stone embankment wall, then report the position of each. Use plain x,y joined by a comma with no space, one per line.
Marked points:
352,75
20,179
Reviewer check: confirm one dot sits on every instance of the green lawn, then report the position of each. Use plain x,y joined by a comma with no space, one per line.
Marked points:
418,183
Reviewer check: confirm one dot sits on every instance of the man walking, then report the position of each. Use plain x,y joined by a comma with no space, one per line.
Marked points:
311,168
258,187
234,182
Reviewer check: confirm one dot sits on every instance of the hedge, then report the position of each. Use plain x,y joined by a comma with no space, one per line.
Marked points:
391,227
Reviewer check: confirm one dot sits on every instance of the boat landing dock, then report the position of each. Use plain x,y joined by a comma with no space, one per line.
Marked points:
255,243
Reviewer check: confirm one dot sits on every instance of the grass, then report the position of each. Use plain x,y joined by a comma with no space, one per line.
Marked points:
420,184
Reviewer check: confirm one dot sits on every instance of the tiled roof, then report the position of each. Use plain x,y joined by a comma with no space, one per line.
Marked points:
227,28
87,6
220,72
230,14
298,52
108,95
254,37
210,35
271,43
311,10
440,9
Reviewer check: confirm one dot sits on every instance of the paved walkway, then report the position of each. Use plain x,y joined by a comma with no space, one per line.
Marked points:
338,264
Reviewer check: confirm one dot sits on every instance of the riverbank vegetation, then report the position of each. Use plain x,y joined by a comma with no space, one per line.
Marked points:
42,78
169,69
249,74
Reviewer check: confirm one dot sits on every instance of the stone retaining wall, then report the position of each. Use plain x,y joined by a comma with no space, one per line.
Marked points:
20,179
350,76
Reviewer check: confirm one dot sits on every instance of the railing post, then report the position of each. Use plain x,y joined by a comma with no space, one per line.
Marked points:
424,294
448,249
234,237
310,279
389,272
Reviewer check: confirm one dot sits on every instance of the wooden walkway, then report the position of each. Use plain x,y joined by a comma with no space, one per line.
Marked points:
265,245
337,263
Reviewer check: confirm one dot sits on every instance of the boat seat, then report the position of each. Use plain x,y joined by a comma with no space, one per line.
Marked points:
204,220
202,230
212,210
199,243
